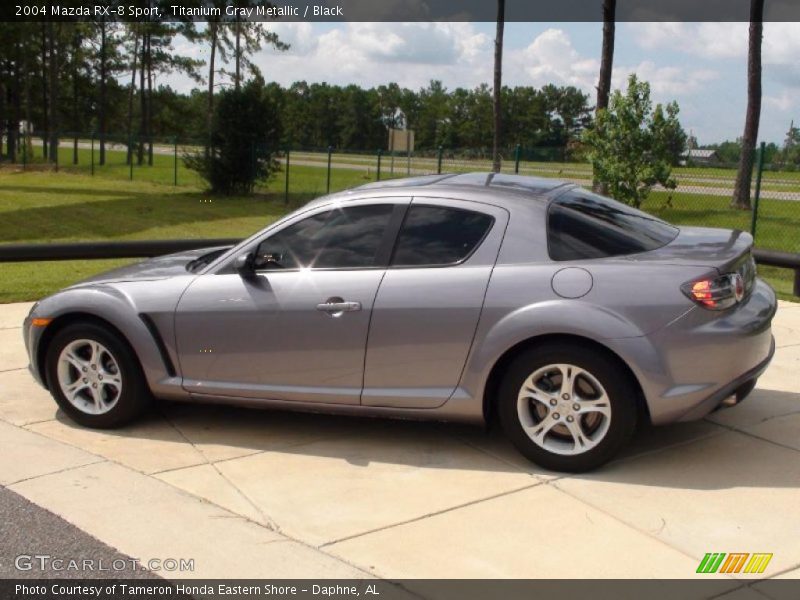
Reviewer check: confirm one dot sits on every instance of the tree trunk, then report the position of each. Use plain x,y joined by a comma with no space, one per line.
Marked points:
45,99
213,30
101,116
238,77
130,95
26,140
53,47
75,108
142,103
606,67
149,102
741,193
16,104
150,112
5,122
498,85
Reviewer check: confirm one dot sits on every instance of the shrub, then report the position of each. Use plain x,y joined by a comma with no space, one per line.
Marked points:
632,146
243,140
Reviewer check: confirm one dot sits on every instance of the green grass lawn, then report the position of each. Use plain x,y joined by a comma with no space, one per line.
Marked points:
33,280
166,170
778,226
37,207
50,207
162,170
43,206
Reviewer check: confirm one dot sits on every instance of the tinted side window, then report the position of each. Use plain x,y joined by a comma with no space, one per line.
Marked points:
585,225
340,238
437,235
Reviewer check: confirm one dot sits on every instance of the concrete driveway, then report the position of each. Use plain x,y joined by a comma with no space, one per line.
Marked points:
248,493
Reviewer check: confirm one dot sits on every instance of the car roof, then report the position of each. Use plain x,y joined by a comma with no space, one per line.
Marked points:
521,183
497,188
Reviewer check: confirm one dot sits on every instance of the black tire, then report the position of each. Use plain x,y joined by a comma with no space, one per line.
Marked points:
621,392
134,397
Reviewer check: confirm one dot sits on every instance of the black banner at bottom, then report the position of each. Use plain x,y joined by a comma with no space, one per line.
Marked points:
381,589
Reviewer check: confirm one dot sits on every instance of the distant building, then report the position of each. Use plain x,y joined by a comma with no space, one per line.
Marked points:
699,157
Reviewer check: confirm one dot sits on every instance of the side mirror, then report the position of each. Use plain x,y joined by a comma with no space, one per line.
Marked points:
244,264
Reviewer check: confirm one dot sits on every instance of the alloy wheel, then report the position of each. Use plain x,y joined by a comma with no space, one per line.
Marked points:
89,376
564,409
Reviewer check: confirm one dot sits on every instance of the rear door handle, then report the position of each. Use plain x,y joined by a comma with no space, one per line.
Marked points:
339,307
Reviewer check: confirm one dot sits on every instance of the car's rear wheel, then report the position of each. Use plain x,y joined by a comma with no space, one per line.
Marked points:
567,408
95,377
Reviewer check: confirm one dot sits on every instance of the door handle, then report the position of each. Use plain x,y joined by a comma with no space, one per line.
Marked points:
339,307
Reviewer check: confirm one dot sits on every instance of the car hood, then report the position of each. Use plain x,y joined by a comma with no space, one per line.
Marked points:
160,267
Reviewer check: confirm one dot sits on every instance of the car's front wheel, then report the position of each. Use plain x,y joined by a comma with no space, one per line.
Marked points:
95,377
567,408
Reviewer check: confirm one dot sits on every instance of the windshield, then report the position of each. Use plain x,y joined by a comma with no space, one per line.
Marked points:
198,263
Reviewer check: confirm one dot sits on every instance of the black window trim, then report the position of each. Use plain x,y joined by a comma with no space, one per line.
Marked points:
386,249
486,233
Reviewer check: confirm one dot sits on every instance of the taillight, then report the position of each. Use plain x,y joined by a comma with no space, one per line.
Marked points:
716,293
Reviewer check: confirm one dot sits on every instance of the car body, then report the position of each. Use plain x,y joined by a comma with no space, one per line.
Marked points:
367,326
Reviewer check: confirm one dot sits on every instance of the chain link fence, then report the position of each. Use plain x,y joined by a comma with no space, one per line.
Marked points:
702,196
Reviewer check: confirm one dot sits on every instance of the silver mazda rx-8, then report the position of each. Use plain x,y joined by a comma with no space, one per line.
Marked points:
565,315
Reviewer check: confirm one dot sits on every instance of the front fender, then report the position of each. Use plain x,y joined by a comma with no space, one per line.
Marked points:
117,308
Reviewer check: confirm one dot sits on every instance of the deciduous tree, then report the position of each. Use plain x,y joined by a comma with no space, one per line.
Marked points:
244,138
629,145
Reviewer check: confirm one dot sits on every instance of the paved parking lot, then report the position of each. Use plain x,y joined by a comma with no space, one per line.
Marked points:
253,493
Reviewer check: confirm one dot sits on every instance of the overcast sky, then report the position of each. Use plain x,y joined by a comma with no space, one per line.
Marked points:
701,65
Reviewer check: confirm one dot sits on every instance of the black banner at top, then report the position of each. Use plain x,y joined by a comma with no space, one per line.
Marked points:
392,10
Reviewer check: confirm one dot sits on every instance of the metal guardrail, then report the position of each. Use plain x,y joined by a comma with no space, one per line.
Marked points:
148,248
98,250
784,260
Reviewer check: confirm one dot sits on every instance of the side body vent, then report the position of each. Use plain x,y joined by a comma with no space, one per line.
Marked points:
162,349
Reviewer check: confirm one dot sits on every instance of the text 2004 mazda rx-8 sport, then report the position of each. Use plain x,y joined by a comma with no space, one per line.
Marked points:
568,316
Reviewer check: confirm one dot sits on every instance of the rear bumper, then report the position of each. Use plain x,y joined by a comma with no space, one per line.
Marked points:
690,366
714,400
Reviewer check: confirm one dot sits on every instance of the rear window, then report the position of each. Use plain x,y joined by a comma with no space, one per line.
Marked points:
584,225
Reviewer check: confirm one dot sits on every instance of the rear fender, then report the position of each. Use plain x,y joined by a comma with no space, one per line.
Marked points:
557,317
